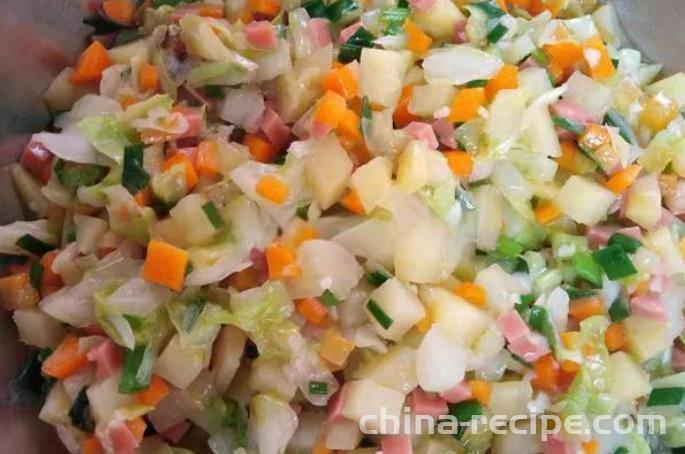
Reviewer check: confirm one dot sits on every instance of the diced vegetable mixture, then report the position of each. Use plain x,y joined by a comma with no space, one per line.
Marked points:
259,221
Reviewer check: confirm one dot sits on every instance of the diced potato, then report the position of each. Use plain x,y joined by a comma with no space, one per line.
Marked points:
325,265
104,398
89,230
180,366
490,205
510,398
226,356
367,398
526,441
425,252
328,169
135,50
395,370
412,166
460,319
56,408
192,220
439,20
439,445
506,113
372,181
673,87
428,99
268,377
646,337
579,85
663,243
37,328
643,205
342,434
398,303
373,239
541,135
520,48
381,73
627,380
61,94
441,360
534,81
272,423
574,200
299,88
502,290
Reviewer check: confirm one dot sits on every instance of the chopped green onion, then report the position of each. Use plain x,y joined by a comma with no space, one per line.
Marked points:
352,48
36,275
137,369
159,3
615,262
189,268
477,83
569,125
540,57
465,411
497,32
191,312
403,4
540,321
337,11
233,418
666,396
213,215
393,18
619,310
613,118
493,11
508,248
214,91
303,212
328,299
134,177
127,35
588,153
379,314
73,175
621,450
315,8
527,299
365,122
31,378
615,62
33,245
586,268
628,244
522,309
9,259
575,293
80,412
376,278
318,388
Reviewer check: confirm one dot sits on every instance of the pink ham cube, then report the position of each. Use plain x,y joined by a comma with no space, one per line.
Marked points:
422,131
261,35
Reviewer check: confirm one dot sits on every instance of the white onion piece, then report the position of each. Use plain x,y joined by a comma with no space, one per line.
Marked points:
460,64
70,146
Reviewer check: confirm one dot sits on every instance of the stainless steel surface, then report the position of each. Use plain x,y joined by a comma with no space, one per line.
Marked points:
655,27
39,37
